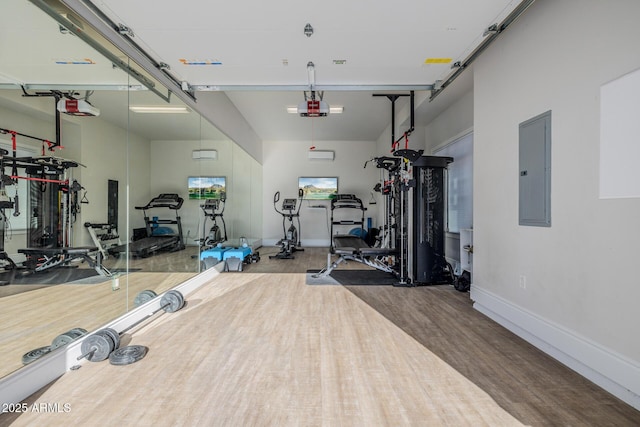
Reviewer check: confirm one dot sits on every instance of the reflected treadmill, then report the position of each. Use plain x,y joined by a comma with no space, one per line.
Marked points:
154,241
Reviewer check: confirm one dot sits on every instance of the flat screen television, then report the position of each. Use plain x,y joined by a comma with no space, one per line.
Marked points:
207,187
318,188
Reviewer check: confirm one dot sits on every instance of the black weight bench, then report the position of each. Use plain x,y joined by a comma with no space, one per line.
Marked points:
353,248
41,259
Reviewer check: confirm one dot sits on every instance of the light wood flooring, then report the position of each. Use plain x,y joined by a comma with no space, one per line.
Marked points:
31,316
263,348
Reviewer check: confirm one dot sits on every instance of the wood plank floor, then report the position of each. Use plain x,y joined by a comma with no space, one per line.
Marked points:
269,350
266,349
530,385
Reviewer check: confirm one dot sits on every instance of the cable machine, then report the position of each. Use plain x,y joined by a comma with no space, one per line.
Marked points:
414,209
53,204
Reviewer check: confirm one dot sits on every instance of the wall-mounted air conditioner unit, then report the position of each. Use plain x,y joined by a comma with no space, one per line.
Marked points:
321,155
205,154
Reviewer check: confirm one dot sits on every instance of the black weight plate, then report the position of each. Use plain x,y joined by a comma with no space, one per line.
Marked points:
35,354
97,347
144,296
127,355
113,334
171,301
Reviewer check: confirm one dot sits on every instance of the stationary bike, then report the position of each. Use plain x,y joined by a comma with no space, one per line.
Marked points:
214,209
290,243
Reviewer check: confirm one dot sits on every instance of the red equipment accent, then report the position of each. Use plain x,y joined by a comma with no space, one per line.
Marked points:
313,108
71,105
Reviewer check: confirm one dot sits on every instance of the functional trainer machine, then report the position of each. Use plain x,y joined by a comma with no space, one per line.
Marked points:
412,242
53,207
290,243
153,242
54,202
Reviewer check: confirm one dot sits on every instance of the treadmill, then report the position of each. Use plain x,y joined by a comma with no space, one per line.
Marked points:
153,243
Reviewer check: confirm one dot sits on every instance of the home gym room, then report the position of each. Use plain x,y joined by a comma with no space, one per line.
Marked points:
151,273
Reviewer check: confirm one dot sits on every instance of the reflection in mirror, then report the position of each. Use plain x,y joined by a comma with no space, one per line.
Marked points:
152,240
58,152
77,201
229,191
51,273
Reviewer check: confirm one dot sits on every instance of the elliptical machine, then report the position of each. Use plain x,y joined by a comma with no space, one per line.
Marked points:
290,243
214,209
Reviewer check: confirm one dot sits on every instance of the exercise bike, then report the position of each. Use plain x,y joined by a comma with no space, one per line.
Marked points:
214,209
290,243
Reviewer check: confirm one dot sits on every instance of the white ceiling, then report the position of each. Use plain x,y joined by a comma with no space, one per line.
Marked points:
263,53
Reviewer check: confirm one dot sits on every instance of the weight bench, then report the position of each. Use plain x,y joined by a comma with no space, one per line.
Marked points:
353,248
41,259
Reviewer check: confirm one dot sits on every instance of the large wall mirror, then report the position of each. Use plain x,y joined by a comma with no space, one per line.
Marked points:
95,200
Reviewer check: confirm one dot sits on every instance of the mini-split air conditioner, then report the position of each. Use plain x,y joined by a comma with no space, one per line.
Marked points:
205,154
322,155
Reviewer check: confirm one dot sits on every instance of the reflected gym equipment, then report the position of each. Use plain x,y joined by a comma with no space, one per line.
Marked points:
67,337
35,354
143,297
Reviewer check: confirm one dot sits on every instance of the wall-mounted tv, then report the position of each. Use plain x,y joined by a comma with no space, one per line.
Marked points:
207,187
318,188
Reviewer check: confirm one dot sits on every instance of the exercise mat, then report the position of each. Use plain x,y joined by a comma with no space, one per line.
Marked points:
353,278
54,276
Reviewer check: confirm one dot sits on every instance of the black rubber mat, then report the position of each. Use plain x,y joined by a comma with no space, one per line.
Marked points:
361,277
55,276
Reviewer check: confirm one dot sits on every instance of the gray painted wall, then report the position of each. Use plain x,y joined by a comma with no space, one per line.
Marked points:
580,294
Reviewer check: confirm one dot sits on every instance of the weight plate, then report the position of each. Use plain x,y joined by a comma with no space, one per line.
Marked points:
113,334
61,340
180,296
80,330
144,296
150,292
35,354
67,337
171,301
127,355
97,347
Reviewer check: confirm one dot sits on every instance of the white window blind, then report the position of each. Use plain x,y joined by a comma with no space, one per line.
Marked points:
460,185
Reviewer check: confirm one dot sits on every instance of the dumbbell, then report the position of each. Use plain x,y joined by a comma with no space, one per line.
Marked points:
100,345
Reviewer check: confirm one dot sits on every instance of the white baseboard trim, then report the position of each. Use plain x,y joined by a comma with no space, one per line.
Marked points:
19,385
611,371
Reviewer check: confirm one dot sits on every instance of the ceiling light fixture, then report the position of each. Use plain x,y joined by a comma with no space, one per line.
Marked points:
332,110
158,110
